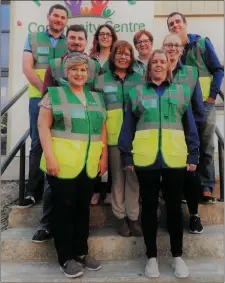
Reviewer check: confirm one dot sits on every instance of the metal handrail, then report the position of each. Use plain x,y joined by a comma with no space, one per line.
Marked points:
13,100
13,152
221,94
20,146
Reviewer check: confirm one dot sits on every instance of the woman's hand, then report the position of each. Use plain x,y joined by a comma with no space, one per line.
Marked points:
103,165
191,167
130,167
52,166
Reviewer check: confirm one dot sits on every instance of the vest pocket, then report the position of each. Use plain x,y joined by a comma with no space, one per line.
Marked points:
173,106
94,155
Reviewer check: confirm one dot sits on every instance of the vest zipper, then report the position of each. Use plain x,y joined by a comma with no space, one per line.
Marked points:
160,127
88,146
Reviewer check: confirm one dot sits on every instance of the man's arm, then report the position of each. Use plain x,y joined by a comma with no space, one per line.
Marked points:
28,70
215,68
48,80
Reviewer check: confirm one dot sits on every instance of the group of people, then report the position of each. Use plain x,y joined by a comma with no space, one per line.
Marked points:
149,121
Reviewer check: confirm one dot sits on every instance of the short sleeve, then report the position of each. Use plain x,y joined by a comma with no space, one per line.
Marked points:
45,102
27,46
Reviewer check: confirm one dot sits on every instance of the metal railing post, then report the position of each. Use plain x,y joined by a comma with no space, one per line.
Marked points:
221,170
22,173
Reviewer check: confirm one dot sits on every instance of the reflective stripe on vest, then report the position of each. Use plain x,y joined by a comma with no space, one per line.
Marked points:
42,52
72,147
187,75
160,125
114,103
195,58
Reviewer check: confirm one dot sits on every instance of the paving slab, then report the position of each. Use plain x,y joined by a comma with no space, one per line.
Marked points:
201,270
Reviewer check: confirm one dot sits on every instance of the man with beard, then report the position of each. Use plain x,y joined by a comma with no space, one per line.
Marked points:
76,38
40,48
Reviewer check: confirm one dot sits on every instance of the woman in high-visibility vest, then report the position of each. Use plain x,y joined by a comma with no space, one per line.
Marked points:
159,141
73,136
189,75
115,84
104,38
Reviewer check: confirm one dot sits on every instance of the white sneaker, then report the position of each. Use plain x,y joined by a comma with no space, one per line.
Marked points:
151,268
180,268
95,198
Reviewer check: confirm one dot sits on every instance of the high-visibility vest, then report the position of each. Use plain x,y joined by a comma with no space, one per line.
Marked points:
159,126
187,75
42,52
58,74
76,132
139,67
115,95
195,57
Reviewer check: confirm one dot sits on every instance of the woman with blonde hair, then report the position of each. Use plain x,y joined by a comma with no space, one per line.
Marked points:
159,141
72,132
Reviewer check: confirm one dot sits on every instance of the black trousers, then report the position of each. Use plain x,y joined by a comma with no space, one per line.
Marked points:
171,186
70,215
192,191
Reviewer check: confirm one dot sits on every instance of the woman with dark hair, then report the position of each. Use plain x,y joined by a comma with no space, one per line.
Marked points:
104,39
115,84
159,141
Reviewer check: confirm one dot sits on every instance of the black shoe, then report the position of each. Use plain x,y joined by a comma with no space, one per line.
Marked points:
195,225
41,236
26,203
71,269
207,198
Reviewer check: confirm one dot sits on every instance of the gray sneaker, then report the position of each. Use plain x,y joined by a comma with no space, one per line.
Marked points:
89,262
71,269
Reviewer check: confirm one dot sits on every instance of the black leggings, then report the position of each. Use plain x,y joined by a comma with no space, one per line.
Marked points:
70,215
171,186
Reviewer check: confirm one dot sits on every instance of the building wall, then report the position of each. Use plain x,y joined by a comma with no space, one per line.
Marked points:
199,21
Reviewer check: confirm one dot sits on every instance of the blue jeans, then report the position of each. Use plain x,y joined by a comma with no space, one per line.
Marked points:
206,162
35,185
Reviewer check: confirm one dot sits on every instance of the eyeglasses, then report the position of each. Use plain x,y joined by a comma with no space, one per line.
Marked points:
145,41
120,54
170,45
103,34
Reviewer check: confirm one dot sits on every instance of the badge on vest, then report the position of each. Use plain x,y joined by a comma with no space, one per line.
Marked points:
109,88
41,50
77,113
150,103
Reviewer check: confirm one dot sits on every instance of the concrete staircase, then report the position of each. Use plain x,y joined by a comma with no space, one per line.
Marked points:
122,259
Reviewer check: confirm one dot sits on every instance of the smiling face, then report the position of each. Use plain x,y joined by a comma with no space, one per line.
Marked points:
177,25
173,47
122,58
57,20
105,38
77,75
159,67
76,41
143,45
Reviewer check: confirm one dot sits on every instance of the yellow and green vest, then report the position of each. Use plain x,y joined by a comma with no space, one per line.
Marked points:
43,52
116,96
195,57
159,126
76,132
57,69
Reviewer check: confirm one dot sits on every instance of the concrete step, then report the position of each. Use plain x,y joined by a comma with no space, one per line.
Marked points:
102,216
106,244
201,270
